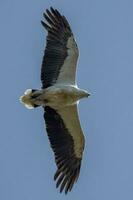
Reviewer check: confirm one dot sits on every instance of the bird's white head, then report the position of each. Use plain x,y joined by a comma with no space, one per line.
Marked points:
83,94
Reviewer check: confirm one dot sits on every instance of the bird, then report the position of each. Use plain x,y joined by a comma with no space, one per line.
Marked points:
59,97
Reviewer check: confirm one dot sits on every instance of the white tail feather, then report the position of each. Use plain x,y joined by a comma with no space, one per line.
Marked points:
26,99
28,91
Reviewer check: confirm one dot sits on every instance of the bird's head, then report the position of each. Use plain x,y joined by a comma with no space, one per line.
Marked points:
84,94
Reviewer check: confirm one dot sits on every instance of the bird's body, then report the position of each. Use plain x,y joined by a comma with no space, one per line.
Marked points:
59,97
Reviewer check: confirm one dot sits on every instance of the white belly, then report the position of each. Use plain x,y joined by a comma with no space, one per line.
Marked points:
60,96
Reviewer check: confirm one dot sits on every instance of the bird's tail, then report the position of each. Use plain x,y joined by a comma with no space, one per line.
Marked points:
28,99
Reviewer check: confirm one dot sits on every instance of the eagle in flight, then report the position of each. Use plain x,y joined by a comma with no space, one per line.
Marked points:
59,98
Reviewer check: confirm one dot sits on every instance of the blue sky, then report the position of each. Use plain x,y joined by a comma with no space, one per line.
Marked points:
104,33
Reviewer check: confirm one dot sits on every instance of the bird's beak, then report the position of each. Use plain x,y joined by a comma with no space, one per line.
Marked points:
88,94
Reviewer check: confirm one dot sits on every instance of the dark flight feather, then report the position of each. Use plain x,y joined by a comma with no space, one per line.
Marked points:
55,53
68,165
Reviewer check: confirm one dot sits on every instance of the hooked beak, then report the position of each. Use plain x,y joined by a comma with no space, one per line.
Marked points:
88,94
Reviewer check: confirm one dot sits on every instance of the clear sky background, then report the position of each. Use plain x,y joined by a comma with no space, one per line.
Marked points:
104,33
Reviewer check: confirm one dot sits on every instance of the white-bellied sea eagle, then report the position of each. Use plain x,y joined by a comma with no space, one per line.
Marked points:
59,98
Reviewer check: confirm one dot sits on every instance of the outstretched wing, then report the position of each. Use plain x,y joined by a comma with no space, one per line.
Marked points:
67,141
61,52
